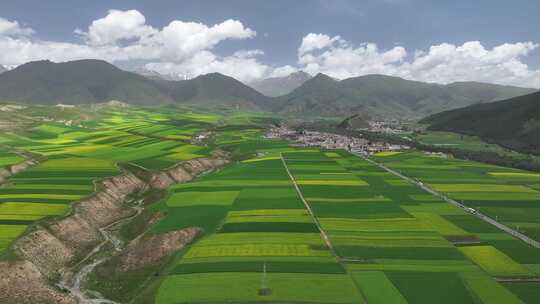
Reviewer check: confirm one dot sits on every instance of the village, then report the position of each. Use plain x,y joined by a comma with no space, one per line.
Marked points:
387,127
334,141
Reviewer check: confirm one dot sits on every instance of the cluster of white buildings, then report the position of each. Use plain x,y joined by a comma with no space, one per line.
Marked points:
333,141
388,127
437,154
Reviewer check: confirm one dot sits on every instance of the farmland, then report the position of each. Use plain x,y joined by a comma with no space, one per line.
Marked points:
388,239
8,158
258,235
77,156
511,196
398,240
285,224
468,143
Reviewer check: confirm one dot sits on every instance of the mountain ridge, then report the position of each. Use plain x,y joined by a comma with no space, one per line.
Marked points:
216,89
513,123
387,96
95,81
76,82
376,96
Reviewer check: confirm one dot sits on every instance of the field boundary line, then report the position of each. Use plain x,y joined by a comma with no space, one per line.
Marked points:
467,209
308,207
323,233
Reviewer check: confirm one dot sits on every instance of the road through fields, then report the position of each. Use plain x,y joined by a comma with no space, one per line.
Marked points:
479,215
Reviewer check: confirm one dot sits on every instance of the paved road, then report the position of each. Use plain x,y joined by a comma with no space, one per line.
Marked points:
479,215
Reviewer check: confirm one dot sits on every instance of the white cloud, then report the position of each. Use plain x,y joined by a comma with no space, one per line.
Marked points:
242,67
117,26
312,42
124,35
442,63
13,28
186,48
473,62
248,53
283,71
341,60
181,39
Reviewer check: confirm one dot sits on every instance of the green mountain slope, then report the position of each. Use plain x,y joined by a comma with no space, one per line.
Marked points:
216,89
386,96
93,81
513,123
76,82
319,96
376,96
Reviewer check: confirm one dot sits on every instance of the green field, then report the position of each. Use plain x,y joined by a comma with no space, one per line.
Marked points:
465,142
400,243
261,223
285,224
76,156
8,158
509,195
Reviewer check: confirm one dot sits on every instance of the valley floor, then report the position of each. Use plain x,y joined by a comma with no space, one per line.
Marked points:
284,224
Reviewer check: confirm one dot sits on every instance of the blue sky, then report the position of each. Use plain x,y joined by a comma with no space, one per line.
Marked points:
281,25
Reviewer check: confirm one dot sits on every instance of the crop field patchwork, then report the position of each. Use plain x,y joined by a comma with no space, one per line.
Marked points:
284,224
150,141
263,233
79,154
406,246
47,190
389,245
9,158
509,195
495,262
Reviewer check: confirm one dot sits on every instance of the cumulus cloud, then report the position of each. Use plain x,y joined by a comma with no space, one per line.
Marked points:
13,28
187,49
283,71
117,26
181,39
312,42
242,65
443,63
473,62
248,53
181,47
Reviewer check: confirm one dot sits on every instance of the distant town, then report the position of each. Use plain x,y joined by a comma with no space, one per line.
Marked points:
334,141
388,127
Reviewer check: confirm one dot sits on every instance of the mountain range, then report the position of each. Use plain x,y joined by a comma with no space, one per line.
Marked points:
2,69
92,81
215,89
375,96
277,86
76,82
386,96
513,123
